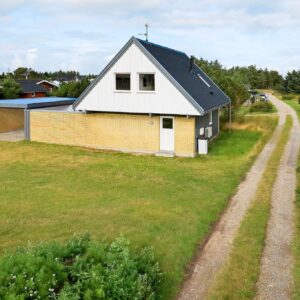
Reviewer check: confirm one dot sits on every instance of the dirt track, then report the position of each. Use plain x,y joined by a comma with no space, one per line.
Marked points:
276,279
217,248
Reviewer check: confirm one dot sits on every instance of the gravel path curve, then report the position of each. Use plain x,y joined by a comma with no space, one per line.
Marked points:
217,248
276,278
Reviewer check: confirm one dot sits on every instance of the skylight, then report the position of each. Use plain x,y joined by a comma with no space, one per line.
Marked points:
207,84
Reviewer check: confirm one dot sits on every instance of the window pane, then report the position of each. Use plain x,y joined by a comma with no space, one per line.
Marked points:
123,82
147,82
167,123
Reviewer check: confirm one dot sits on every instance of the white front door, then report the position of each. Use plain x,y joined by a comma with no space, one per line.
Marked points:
167,134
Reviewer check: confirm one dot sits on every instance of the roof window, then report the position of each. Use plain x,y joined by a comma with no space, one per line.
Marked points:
207,84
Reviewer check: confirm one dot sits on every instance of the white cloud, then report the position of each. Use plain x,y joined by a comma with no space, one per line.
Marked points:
31,57
16,62
83,34
7,7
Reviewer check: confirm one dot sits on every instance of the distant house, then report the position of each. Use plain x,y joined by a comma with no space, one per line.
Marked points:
30,89
148,99
72,78
50,86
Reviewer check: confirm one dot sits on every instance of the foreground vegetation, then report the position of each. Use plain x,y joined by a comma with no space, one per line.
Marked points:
238,277
80,269
49,192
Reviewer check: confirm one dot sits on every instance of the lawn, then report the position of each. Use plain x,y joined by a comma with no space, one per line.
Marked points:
50,192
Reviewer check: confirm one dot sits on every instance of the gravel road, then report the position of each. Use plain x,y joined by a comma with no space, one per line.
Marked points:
217,248
276,278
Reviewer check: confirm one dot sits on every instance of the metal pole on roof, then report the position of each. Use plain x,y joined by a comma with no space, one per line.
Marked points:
146,34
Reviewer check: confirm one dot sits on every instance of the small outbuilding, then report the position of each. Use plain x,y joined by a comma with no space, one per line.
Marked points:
15,113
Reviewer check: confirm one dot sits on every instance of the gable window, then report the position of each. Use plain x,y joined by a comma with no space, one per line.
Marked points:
210,117
123,82
146,82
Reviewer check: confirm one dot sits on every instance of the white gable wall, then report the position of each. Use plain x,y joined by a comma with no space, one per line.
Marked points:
165,100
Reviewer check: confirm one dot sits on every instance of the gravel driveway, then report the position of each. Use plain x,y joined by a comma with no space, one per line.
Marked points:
217,248
276,278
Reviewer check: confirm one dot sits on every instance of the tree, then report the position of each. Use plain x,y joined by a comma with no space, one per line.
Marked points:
230,81
20,73
292,82
72,89
10,89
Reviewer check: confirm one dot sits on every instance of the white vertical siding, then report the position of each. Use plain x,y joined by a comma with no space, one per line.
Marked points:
165,100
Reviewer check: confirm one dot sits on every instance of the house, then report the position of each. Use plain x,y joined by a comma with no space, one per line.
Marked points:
72,78
148,99
30,89
50,86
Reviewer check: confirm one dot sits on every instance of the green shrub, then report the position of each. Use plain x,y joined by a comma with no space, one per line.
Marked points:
80,269
287,97
262,107
299,99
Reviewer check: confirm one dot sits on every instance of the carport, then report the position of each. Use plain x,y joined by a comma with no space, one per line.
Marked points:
15,113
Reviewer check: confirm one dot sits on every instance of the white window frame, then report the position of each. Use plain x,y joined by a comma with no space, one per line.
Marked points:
138,82
115,82
167,117
210,118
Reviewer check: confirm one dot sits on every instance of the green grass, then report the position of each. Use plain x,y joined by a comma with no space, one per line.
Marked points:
49,192
238,277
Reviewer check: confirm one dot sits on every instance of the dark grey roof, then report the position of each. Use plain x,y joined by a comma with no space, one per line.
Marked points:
31,86
196,86
203,90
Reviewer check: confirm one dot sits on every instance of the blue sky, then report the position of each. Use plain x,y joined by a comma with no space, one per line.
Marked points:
84,35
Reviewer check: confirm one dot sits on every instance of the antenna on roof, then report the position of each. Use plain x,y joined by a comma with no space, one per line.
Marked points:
146,34
27,73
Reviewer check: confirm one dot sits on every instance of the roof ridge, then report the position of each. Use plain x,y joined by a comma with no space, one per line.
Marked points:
164,47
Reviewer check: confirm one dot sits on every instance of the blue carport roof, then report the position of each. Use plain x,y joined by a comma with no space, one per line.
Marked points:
27,103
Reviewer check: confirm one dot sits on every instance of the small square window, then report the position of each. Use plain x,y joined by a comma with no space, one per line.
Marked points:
146,82
123,82
167,123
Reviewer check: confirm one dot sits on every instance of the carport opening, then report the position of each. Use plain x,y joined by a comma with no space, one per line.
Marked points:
15,114
12,122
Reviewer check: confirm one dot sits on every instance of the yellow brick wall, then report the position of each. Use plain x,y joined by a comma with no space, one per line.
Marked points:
11,119
185,141
124,132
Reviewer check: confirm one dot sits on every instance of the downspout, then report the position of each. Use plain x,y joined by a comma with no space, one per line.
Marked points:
27,124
